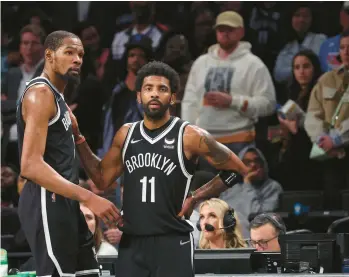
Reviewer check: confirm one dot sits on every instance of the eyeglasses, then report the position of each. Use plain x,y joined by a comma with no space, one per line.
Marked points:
248,162
262,243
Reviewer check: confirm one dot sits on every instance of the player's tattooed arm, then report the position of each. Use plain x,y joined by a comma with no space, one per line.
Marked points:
211,189
102,172
198,142
201,143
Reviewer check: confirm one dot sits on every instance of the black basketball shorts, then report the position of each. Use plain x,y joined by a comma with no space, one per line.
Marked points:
57,233
156,256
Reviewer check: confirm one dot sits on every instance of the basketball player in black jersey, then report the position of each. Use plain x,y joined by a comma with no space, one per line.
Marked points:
157,157
49,208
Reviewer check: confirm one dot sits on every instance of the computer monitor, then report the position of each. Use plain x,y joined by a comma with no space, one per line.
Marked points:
223,261
107,264
266,262
314,200
309,253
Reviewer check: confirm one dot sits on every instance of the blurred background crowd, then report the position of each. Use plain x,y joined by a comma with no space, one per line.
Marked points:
284,51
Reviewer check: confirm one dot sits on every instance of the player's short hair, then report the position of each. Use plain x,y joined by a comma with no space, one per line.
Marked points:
55,39
35,30
156,68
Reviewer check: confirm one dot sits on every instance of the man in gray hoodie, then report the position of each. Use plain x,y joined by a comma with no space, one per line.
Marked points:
258,193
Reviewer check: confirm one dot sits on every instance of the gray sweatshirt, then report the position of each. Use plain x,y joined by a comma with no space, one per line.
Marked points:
253,198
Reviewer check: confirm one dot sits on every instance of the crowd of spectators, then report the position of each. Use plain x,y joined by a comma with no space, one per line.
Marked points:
238,62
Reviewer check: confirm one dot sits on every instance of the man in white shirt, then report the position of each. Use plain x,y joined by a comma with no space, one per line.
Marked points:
143,13
229,88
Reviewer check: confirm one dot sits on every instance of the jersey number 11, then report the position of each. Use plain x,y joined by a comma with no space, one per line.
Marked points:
145,182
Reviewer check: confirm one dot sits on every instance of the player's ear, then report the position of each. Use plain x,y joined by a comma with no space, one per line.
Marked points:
139,100
49,55
173,99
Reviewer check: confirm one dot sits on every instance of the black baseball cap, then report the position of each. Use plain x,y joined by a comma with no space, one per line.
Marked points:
140,41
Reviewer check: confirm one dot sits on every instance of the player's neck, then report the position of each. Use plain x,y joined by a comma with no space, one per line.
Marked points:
55,80
218,243
152,124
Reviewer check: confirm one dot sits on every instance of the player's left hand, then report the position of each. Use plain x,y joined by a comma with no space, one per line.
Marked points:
218,99
74,123
188,207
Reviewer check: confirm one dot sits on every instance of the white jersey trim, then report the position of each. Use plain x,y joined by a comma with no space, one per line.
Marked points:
181,159
180,150
192,250
47,235
187,188
58,114
127,140
160,136
87,272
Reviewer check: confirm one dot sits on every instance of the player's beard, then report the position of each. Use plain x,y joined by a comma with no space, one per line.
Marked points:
69,77
158,113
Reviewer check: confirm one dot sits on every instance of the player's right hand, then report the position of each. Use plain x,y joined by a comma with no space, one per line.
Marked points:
187,208
74,122
105,210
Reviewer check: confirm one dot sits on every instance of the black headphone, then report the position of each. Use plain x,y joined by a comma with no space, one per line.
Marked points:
229,222
276,221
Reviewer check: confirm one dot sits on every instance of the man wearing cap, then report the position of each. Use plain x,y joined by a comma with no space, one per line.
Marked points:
143,13
329,50
229,87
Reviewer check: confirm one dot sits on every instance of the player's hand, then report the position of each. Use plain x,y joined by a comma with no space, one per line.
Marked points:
74,122
188,207
105,210
113,235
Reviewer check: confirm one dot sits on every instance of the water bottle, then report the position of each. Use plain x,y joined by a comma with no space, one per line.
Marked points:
3,262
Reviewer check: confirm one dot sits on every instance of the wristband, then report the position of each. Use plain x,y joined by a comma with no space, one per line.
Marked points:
230,178
80,140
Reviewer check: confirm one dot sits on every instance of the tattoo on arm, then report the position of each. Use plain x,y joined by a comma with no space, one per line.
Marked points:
211,189
218,153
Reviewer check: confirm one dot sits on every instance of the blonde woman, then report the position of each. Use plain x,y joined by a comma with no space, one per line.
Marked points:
219,226
102,246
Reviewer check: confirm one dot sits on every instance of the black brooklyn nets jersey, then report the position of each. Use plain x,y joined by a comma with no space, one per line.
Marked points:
60,146
157,177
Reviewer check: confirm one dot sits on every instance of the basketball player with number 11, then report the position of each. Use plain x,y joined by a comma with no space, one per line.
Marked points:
158,157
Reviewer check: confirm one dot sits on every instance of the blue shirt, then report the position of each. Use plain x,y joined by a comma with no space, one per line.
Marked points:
328,54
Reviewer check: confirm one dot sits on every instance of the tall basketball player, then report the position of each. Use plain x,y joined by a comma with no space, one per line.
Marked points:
157,157
49,208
